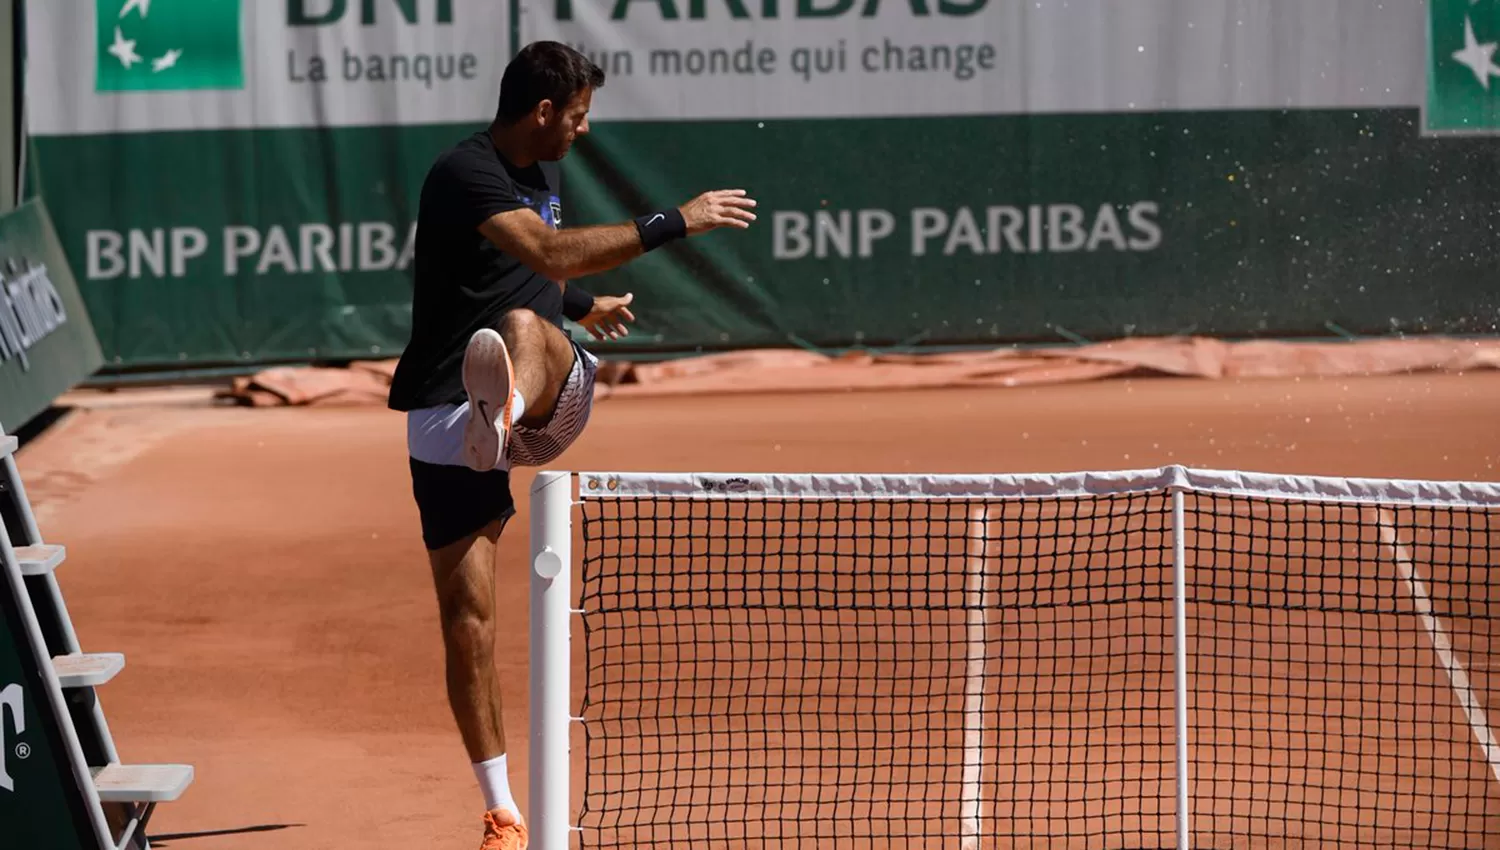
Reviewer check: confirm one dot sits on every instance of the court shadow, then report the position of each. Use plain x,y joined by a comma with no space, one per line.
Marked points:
166,840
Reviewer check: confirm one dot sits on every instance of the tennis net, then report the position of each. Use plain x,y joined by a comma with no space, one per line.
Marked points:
1163,658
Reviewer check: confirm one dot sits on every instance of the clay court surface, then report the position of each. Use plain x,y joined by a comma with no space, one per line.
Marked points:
262,569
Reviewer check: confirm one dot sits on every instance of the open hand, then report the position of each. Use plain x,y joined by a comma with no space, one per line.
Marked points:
720,208
607,319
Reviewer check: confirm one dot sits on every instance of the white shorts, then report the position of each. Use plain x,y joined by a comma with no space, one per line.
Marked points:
436,434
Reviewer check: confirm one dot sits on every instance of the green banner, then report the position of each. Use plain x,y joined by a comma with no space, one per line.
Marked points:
47,342
958,172
236,182
209,264
1252,223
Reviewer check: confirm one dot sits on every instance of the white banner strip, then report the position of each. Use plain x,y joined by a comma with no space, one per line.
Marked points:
753,486
766,59
102,66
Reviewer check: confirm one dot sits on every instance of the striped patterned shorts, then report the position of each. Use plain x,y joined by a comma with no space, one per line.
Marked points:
541,446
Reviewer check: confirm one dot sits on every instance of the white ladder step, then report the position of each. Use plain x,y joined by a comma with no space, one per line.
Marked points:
87,670
141,783
40,559
8,445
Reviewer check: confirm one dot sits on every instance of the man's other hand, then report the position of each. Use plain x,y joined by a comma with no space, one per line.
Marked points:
607,319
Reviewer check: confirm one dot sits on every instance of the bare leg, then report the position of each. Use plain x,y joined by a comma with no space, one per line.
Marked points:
464,577
542,356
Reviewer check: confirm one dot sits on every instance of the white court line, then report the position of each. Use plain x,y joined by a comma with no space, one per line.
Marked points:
1457,675
975,600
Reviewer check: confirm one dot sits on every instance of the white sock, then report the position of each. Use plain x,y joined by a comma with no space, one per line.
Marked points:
519,408
494,781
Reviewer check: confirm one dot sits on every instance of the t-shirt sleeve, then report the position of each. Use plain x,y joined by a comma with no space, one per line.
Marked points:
478,191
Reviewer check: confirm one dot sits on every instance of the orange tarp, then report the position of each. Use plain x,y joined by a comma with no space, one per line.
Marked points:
774,370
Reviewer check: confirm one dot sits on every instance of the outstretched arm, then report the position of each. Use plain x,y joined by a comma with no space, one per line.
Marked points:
562,254
579,251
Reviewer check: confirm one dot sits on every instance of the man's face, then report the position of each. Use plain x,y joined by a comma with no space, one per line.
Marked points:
565,126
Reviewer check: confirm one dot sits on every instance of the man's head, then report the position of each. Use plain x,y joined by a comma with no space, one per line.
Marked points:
546,92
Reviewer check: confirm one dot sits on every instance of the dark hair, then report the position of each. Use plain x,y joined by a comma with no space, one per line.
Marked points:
544,70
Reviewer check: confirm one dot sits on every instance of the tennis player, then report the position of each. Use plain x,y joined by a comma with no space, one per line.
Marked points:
489,379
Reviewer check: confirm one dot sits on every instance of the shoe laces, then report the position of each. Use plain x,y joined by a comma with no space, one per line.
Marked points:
503,831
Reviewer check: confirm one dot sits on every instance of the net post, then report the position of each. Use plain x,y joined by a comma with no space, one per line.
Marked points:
1179,665
548,818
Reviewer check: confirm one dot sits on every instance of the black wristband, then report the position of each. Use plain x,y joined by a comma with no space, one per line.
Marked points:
659,228
577,302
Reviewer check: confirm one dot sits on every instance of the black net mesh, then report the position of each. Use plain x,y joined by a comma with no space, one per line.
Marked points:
1339,663
861,673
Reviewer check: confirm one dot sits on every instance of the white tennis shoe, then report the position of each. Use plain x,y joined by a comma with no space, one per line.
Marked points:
490,380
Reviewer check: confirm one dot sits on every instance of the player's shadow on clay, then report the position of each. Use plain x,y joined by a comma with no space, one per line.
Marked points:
165,840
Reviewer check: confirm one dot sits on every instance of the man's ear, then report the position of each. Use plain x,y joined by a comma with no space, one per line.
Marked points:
545,113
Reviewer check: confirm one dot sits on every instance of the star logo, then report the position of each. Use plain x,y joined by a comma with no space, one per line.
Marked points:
1463,95
168,45
124,49
165,61
1479,58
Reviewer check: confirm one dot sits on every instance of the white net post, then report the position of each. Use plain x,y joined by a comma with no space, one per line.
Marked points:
1179,664
548,820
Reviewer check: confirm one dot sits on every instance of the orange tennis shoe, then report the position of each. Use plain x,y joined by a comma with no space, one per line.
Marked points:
503,831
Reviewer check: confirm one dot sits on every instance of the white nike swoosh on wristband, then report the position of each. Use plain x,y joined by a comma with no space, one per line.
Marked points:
653,219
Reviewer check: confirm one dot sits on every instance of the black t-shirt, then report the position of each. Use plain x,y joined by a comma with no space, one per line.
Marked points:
463,281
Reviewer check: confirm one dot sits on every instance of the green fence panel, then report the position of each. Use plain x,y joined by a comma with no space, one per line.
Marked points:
47,342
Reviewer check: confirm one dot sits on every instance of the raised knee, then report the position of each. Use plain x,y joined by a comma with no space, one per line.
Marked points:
521,321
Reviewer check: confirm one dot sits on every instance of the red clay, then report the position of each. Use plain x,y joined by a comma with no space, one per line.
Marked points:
263,573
